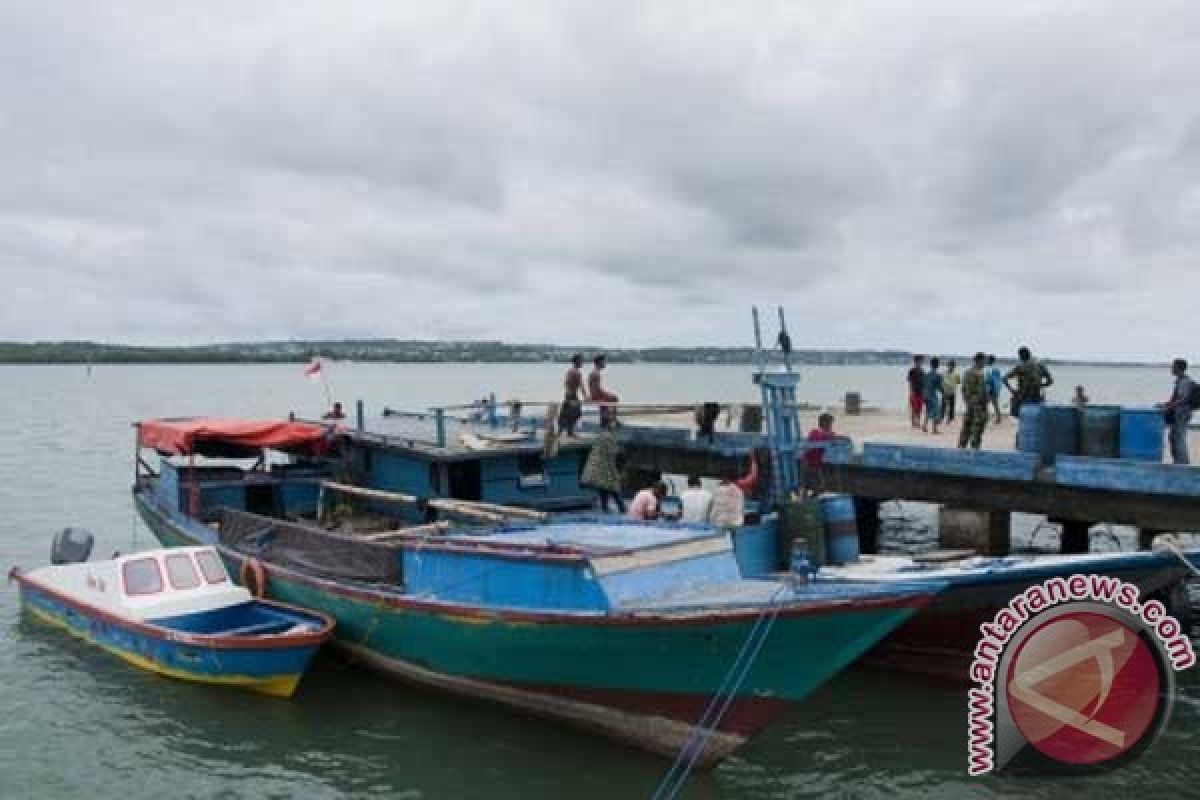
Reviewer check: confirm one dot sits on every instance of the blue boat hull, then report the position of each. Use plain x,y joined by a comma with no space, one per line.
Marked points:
272,668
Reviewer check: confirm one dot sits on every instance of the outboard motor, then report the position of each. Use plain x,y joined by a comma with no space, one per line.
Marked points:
71,546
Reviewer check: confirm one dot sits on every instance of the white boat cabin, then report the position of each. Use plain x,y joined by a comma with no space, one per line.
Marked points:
152,584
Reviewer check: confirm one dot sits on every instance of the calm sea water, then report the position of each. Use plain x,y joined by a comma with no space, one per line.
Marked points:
76,723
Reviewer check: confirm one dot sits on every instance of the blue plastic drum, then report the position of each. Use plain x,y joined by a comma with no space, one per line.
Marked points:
1059,434
1029,428
1142,434
841,528
1099,431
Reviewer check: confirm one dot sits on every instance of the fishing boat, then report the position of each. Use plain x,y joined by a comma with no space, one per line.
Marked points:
645,633
174,612
941,640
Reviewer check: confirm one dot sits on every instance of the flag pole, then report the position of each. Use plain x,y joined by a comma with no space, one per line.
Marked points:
325,385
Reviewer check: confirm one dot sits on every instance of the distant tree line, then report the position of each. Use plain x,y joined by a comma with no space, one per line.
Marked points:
405,351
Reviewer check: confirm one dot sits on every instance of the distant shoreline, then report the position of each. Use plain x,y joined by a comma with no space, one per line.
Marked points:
420,352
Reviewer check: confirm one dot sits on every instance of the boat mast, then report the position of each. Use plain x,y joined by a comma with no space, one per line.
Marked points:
781,421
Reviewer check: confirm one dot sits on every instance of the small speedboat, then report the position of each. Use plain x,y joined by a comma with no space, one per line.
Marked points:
175,612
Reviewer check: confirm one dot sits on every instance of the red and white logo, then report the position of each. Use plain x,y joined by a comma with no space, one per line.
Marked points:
1074,672
1083,688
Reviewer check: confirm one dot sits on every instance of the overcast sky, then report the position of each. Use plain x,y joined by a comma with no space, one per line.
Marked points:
929,176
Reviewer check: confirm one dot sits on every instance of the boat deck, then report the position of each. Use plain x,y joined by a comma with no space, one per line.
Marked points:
462,436
889,568
593,537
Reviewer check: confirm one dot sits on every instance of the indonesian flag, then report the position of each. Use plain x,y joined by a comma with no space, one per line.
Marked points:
313,370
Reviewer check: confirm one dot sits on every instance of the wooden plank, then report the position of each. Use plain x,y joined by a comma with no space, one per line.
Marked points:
511,511
417,530
373,494
608,564
483,512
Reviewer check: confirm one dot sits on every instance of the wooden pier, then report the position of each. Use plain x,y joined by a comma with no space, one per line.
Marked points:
1076,508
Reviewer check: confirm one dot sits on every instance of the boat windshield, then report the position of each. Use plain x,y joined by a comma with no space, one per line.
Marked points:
142,576
210,565
181,572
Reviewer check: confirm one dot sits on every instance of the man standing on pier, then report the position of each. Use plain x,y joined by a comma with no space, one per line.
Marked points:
950,384
995,382
975,399
1032,380
572,405
1178,411
916,390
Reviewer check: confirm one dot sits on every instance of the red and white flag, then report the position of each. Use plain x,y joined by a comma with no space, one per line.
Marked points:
313,370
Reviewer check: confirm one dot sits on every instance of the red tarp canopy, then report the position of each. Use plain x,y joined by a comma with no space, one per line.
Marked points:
229,438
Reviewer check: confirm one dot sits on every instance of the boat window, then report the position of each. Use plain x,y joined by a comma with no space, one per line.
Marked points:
142,576
531,470
210,565
181,572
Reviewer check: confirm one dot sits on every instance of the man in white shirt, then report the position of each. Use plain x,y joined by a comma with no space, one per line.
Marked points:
728,506
696,501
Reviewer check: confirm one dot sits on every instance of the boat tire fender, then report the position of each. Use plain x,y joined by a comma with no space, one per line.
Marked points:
254,577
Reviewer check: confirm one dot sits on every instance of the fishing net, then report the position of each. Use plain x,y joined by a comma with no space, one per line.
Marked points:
309,549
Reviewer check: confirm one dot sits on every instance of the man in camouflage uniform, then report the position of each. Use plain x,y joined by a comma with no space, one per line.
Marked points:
1032,379
975,399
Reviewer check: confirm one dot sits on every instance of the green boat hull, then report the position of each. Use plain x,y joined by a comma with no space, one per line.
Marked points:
644,678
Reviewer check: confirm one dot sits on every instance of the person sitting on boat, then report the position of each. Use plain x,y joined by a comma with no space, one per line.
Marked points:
572,405
696,501
1080,400
596,391
601,472
646,503
335,412
728,506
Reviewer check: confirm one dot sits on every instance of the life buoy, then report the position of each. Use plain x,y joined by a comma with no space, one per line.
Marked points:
254,577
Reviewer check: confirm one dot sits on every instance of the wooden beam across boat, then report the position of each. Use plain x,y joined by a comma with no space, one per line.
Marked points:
491,513
625,409
434,528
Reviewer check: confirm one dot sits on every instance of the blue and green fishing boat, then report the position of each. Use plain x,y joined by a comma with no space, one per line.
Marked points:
646,633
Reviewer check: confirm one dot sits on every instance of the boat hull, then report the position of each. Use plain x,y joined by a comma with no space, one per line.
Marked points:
271,668
644,678
939,641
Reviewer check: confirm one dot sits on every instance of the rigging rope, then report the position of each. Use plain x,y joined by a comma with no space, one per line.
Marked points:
719,704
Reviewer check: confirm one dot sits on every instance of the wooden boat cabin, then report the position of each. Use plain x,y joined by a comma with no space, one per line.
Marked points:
401,470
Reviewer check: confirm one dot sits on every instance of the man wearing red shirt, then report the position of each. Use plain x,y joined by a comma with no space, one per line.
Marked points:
916,390
815,456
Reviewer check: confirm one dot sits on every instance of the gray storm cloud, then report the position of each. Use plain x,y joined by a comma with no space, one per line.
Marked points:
936,176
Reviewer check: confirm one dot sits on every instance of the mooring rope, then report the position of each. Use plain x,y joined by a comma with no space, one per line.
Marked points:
719,704
1168,541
